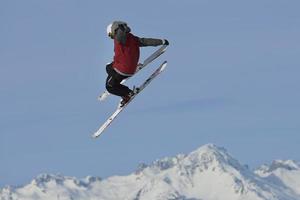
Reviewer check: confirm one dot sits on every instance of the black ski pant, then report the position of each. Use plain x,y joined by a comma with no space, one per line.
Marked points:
113,82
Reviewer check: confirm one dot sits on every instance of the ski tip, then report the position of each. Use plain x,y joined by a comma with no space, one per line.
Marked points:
164,47
96,135
102,97
164,64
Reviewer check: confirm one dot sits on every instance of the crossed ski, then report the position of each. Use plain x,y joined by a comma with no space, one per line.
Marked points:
121,108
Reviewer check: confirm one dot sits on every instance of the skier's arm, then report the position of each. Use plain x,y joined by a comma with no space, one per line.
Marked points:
152,42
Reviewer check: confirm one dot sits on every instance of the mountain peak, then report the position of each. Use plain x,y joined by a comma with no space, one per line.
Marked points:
213,156
206,157
284,164
211,147
46,178
212,150
289,165
43,180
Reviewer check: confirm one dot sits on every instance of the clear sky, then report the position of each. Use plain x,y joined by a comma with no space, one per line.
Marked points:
232,79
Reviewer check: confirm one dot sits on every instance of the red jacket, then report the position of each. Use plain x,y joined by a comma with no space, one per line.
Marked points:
126,55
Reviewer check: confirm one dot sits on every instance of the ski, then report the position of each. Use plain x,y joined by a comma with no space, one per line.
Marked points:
148,60
121,108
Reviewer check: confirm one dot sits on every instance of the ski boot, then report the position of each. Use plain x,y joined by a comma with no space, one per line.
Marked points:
126,99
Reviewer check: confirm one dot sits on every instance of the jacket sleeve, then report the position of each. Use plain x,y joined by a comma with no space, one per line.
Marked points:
150,42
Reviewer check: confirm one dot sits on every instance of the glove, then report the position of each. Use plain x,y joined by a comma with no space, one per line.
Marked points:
165,42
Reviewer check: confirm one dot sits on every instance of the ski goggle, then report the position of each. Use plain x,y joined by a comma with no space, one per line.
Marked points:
111,35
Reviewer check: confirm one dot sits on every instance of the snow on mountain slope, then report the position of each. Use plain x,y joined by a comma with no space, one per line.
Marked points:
209,173
286,173
50,187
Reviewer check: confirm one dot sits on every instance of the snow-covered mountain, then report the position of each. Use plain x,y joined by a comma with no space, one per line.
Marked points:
209,173
283,173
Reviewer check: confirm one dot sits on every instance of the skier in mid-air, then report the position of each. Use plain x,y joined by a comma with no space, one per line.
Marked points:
126,57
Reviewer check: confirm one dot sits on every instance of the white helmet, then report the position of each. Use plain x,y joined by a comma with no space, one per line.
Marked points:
112,27
108,29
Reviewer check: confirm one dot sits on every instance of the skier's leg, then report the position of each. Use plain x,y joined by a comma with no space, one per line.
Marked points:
113,83
113,86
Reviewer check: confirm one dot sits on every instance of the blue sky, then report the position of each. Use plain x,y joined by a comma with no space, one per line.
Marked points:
232,79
